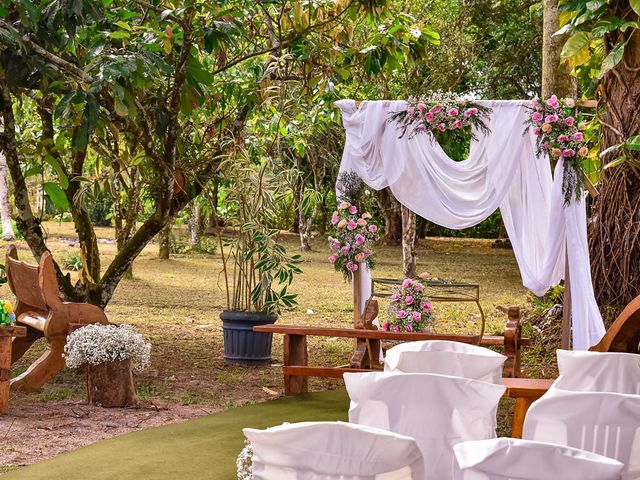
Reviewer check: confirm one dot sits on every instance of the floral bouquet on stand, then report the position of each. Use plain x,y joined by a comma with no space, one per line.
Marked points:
410,309
558,129
353,239
7,316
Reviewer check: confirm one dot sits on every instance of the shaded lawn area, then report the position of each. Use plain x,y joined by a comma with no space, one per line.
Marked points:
176,305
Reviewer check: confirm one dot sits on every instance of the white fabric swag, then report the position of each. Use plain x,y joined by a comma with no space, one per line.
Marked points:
502,171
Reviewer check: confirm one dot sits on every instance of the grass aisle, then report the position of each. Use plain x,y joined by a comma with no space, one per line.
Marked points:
203,448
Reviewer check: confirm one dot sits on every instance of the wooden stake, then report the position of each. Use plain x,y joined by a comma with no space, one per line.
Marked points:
566,308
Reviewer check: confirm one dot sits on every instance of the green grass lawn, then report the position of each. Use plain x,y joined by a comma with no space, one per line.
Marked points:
176,305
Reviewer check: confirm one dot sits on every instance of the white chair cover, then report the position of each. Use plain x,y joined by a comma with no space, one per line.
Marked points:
604,423
598,372
332,451
515,459
446,358
437,410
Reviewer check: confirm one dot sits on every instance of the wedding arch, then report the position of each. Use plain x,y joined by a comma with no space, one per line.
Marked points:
503,170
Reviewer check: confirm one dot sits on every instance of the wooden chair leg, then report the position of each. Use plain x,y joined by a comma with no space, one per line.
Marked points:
512,347
44,368
519,412
295,353
22,344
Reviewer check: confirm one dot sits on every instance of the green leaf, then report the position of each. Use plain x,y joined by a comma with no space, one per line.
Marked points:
64,181
615,163
56,195
635,4
613,59
633,143
576,48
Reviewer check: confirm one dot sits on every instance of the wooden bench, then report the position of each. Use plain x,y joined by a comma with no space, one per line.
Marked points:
296,369
40,307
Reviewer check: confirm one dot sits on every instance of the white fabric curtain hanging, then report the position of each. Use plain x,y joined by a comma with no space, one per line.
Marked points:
502,171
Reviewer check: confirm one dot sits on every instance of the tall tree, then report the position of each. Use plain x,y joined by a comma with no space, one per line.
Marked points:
556,74
5,207
604,48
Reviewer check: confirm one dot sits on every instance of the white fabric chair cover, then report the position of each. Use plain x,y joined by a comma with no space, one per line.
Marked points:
446,358
437,410
598,372
332,451
515,459
604,423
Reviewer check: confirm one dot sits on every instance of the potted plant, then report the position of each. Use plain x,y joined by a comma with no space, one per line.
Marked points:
257,270
109,352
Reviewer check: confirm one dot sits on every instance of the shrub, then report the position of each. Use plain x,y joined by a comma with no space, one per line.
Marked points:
73,262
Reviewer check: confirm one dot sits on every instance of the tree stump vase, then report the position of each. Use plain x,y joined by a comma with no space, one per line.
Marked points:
111,385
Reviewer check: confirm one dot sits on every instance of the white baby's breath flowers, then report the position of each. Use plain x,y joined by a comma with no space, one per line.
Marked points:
244,462
95,344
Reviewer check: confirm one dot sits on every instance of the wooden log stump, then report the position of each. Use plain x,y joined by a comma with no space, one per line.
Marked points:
111,385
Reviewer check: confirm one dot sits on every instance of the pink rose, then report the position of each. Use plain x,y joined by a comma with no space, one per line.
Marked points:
395,297
360,239
435,109
546,128
556,152
386,326
422,107
333,258
410,111
568,152
570,102
421,128
569,121
366,215
352,266
536,116
453,112
359,257
426,307
408,328
551,119
416,316
361,222
342,223
408,299
457,124
344,205
351,225
366,252
401,314
537,131
407,282
419,287
396,328
346,249
335,218
353,209
334,243
553,102
373,228
428,117
584,151
578,136
563,138
442,127
470,112
535,101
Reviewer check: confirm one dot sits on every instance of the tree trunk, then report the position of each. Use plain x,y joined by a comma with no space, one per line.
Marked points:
408,243
556,77
391,210
163,241
111,384
5,209
194,222
614,229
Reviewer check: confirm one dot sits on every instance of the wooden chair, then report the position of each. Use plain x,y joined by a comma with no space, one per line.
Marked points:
40,307
624,334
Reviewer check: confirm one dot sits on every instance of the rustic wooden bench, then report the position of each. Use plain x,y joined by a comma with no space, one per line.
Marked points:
296,369
41,308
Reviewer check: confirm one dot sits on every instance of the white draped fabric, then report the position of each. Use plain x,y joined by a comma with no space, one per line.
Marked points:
502,171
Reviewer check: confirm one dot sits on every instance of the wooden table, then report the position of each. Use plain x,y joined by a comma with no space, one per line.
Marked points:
296,369
6,339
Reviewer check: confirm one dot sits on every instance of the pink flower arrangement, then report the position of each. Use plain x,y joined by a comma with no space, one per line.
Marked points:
410,308
352,240
557,128
440,116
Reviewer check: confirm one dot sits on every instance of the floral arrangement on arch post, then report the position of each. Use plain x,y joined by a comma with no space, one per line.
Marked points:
558,129
410,308
441,113
7,315
354,238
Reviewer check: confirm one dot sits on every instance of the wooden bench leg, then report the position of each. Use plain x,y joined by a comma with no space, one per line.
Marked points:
295,353
44,368
519,412
22,344
512,347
